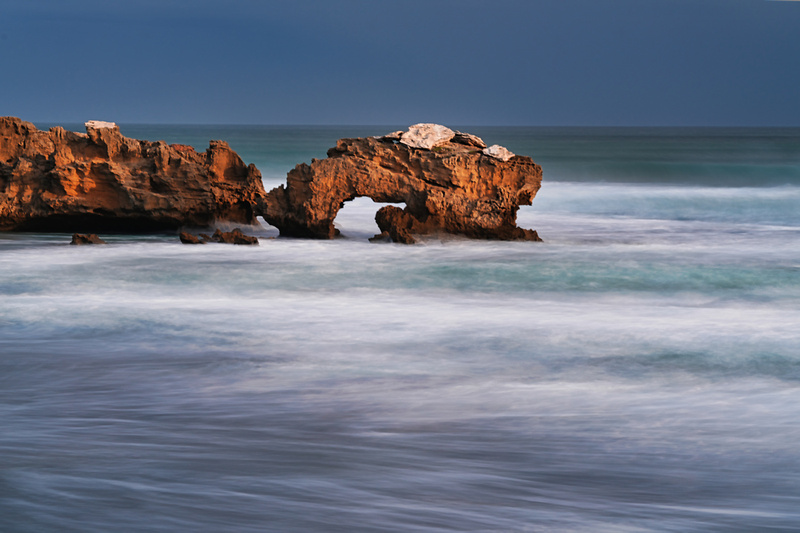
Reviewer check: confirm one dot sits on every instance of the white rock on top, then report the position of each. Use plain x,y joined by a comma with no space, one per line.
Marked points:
426,136
498,152
99,124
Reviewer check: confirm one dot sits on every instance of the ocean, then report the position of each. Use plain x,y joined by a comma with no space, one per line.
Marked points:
637,371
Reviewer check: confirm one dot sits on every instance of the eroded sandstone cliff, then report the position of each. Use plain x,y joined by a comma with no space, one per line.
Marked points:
102,181
449,182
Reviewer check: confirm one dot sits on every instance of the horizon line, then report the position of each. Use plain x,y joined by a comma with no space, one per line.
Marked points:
392,125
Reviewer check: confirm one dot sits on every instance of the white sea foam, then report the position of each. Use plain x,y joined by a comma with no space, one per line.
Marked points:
639,368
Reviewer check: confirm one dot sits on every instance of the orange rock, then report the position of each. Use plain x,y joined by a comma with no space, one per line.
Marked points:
453,188
102,181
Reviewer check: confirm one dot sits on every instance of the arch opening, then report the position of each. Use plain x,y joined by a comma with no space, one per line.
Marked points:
356,218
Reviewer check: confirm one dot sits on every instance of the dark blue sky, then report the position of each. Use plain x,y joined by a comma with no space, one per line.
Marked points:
465,62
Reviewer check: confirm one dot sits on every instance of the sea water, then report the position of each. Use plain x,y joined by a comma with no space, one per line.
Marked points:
637,371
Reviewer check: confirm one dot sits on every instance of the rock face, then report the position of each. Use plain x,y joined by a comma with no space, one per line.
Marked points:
450,187
101,181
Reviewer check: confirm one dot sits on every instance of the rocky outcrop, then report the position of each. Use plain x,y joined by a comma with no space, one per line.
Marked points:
102,181
447,180
99,181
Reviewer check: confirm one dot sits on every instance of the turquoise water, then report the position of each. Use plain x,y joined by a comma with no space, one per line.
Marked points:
637,371
724,157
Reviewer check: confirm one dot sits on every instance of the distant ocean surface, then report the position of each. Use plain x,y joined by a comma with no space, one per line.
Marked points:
637,371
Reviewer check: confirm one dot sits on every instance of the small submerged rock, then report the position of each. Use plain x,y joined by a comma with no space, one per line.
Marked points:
235,236
91,238
188,238
383,236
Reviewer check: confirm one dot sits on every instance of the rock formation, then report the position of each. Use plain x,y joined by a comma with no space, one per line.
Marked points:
101,181
449,182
